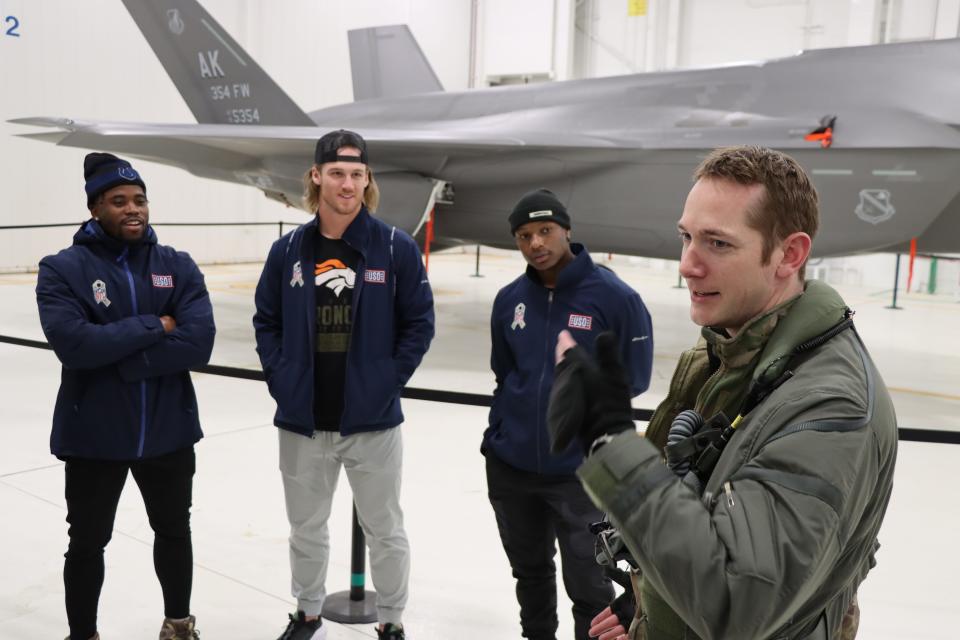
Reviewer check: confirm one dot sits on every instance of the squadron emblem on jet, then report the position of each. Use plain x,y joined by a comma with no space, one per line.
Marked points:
174,22
875,206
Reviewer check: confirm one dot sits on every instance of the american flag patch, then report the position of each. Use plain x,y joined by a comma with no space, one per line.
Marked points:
375,276
580,322
163,282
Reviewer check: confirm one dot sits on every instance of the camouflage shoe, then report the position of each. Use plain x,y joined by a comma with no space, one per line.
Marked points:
179,629
851,621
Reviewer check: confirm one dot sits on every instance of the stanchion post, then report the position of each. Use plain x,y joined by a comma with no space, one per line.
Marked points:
427,240
280,224
358,558
357,605
476,269
896,285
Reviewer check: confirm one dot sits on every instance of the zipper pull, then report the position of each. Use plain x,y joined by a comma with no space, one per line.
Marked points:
727,489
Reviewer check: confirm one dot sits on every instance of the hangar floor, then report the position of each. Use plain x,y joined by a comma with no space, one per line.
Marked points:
460,583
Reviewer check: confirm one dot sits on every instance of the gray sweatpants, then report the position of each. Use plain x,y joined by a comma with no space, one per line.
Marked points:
310,468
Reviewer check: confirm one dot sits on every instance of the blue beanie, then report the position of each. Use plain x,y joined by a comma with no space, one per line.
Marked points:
104,171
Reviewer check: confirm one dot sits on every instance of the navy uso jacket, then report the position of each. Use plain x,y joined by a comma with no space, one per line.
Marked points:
526,319
392,325
125,391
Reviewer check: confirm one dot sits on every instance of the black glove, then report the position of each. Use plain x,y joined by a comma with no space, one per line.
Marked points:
624,607
590,397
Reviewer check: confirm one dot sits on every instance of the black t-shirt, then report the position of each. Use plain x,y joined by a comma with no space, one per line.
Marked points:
334,277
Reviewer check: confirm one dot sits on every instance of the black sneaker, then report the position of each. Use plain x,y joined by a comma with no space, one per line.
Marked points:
300,629
390,632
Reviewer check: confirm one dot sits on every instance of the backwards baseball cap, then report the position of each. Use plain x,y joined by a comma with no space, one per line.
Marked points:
537,206
104,171
330,143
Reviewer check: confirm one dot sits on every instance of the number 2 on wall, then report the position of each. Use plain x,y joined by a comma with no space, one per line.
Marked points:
14,25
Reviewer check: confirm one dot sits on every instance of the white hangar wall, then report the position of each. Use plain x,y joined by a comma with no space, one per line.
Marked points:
672,34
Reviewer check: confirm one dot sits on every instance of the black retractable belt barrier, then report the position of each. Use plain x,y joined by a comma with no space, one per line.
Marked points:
906,434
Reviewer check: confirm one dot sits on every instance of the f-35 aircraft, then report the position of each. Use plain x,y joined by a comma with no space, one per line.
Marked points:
878,128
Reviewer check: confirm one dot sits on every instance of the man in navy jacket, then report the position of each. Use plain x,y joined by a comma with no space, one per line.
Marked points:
127,318
536,497
344,316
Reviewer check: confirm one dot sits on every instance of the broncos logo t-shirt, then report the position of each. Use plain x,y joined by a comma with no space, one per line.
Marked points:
334,277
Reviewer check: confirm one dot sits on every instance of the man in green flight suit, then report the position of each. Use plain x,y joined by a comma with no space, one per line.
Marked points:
764,521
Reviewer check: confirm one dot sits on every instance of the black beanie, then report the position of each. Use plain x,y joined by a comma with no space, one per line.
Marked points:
104,171
538,206
330,143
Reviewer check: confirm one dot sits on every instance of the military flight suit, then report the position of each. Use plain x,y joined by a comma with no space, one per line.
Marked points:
786,527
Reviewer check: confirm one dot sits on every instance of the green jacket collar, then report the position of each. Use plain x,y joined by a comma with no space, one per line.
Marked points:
778,331
817,309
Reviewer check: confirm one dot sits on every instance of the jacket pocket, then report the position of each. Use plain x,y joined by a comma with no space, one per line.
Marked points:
109,415
275,384
389,386
73,388
291,385
371,393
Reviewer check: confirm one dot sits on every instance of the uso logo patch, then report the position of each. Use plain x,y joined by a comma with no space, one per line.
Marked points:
375,276
580,322
162,282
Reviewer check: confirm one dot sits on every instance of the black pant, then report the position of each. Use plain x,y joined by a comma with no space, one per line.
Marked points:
93,490
533,511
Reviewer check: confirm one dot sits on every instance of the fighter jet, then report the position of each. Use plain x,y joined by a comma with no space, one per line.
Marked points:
877,127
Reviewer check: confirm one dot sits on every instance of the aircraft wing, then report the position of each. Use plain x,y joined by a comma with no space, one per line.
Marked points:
280,154
244,138
489,170
272,158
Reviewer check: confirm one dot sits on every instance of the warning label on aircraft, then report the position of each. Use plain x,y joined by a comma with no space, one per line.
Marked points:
875,206
636,7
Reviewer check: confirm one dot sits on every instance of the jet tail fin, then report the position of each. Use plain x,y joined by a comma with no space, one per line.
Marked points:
218,80
387,62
